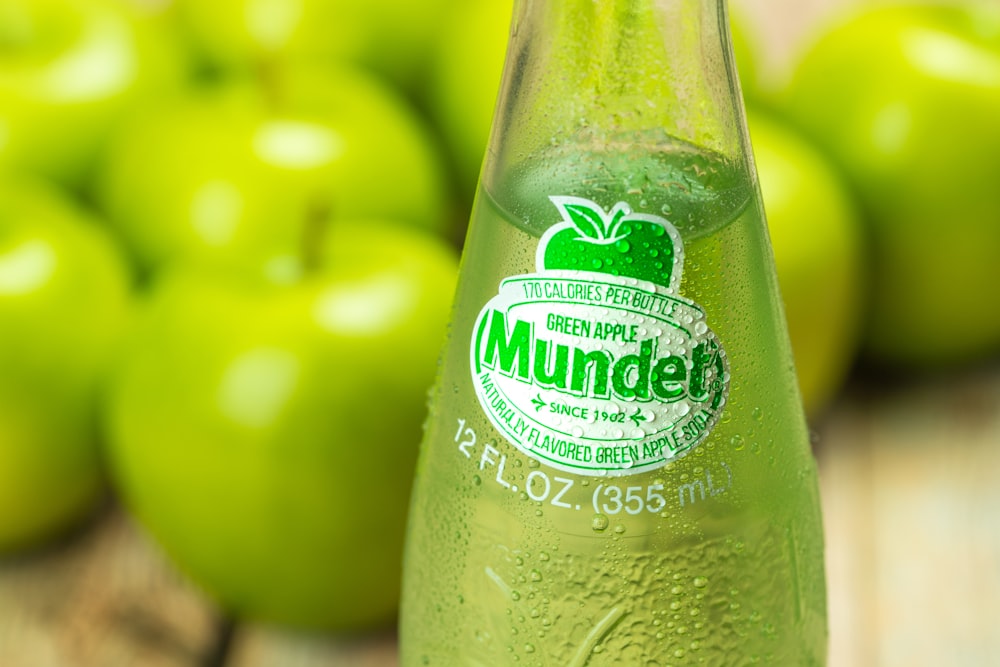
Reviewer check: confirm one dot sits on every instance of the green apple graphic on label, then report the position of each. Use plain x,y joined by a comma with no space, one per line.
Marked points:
617,243
595,363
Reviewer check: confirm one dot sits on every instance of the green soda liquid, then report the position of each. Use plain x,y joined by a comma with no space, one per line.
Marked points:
714,558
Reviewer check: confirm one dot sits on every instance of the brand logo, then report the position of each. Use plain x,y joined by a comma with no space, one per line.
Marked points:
595,363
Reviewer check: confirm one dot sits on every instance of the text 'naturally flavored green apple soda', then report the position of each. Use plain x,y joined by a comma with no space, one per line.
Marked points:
616,469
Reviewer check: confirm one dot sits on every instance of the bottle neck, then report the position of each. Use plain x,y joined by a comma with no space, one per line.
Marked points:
613,75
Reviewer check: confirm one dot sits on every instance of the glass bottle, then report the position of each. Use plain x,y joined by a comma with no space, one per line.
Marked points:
616,468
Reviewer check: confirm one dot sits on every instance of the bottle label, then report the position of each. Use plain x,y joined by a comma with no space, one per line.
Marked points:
595,363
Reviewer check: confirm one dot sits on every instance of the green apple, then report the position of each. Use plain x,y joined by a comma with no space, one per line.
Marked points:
465,79
745,49
819,252
64,304
906,102
392,37
266,432
69,72
231,170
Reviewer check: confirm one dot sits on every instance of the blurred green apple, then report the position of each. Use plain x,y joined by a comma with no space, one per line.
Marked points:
266,433
819,253
69,71
234,170
393,37
64,303
744,51
906,101
465,79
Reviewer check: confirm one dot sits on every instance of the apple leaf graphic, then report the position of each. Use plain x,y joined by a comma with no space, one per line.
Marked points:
588,222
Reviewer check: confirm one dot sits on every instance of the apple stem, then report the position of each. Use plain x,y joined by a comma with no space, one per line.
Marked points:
270,81
317,225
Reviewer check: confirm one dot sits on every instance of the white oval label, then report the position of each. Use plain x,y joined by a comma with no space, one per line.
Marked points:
595,364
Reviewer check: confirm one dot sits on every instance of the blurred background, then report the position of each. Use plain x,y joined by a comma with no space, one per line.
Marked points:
215,217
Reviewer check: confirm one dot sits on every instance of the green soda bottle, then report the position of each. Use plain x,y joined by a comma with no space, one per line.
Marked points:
616,469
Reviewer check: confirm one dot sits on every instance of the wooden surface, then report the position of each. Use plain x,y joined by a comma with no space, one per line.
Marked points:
911,500
911,493
110,599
